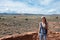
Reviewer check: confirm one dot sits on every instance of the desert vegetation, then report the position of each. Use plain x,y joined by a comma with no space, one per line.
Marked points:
12,24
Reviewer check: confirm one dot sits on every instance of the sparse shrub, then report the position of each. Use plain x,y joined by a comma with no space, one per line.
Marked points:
0,17
14,16
26,19
56,17
19,24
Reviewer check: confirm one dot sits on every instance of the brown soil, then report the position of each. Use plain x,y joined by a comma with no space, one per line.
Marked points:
32,36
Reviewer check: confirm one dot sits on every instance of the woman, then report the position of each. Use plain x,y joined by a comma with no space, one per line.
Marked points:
43,28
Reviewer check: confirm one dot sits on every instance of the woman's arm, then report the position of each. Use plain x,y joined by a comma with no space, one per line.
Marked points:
39,28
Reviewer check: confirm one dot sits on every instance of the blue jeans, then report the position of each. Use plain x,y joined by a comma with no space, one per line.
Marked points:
42,36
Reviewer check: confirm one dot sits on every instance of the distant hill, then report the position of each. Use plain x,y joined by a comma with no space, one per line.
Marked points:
56,14
20,14
9,14
29,14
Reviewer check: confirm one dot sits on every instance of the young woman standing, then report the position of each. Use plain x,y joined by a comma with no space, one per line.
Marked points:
43,29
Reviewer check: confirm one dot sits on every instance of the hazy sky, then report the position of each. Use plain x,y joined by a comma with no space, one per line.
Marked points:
30,6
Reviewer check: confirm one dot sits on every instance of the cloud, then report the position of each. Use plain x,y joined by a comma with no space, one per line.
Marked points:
45,2
56,7
29,6
18,7
51,10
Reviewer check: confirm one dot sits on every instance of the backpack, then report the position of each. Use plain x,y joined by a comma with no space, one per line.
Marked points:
42,30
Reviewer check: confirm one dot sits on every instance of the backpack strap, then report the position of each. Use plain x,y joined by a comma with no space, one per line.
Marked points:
41,27
44,30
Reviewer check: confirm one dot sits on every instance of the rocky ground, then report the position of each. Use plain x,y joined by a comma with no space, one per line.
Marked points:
52,34
54,31
32,36
10,25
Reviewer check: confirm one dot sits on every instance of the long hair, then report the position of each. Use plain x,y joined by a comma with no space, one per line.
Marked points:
45,21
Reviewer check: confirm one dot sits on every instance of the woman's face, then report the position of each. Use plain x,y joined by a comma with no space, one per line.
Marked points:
43,19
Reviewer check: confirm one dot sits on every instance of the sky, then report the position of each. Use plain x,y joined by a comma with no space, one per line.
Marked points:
30,6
